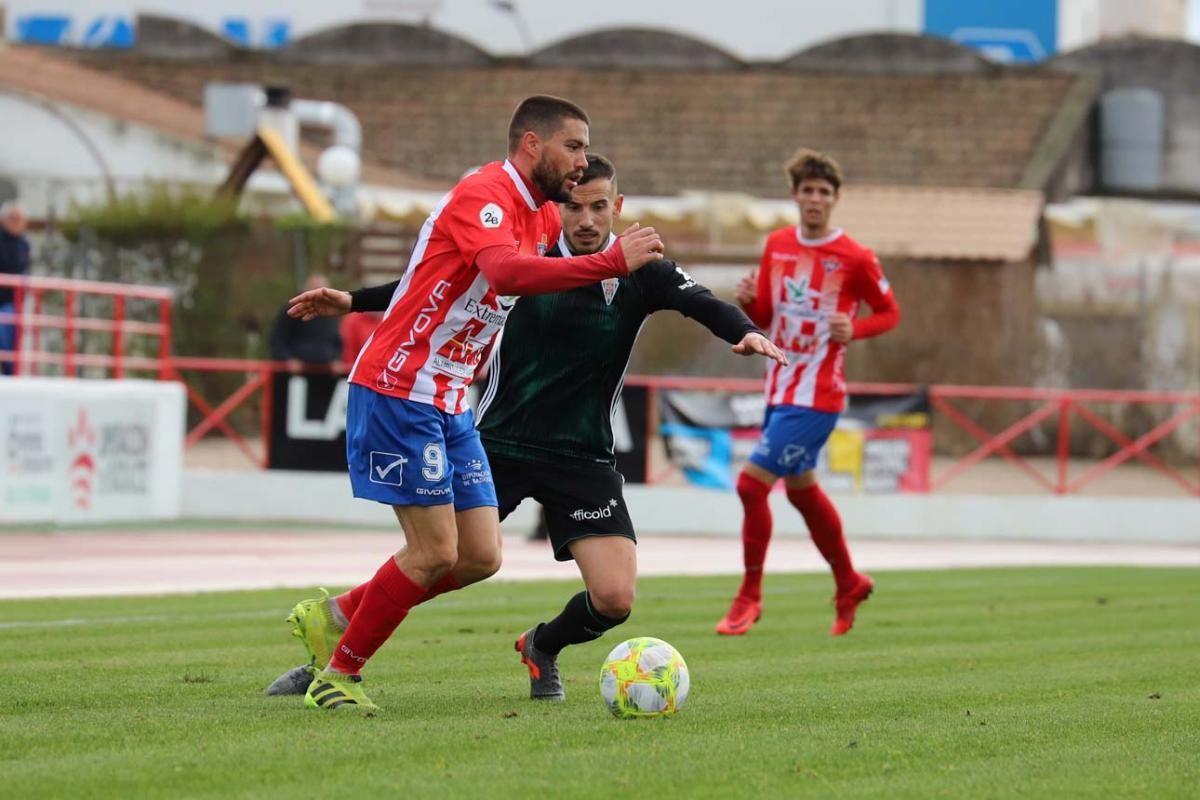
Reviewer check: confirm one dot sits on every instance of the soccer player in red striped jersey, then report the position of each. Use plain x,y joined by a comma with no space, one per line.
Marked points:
411,441
806,293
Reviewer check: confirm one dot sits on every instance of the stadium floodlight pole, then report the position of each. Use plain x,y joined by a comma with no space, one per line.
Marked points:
511,8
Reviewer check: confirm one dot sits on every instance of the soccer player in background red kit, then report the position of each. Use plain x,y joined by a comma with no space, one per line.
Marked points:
410,436
806,294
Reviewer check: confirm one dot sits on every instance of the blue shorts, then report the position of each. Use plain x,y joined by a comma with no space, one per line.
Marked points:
792,438
405,453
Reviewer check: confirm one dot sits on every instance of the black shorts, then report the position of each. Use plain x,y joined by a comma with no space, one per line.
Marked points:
580,501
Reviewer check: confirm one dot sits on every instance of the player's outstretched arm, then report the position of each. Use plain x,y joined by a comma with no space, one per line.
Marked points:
509,272
326,302
323,302
755,343
665,284
373,298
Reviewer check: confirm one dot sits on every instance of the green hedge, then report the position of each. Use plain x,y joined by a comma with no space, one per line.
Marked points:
231,273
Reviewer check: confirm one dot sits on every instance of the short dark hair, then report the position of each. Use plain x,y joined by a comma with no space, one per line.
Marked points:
808,164
599,168
544,115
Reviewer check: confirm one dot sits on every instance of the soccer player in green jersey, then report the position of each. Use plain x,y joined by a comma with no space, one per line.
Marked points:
545,418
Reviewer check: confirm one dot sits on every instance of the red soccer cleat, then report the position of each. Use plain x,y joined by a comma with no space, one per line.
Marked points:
741,617
847,604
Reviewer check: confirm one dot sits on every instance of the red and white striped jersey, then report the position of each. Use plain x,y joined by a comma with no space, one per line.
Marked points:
801,283
444,317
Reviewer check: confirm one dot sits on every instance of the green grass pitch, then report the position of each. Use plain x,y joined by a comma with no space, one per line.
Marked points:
984,683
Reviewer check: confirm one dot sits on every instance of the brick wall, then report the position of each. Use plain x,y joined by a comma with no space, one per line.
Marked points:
671,131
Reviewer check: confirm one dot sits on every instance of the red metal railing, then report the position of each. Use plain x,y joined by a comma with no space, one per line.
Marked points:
258,379
34,290
1061,402
1061,405
1064,403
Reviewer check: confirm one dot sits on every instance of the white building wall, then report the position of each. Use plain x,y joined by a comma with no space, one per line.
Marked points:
59,154
1081,22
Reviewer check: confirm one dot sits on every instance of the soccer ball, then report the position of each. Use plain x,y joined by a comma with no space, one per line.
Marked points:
644,677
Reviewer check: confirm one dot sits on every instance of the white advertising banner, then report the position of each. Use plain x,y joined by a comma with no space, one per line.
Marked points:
90,451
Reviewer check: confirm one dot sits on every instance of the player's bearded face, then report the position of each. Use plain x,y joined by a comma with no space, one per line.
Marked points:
562,161
553,179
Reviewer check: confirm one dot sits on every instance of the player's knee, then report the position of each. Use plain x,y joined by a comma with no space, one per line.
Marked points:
479,566
615,602
751,490
491,565
435,559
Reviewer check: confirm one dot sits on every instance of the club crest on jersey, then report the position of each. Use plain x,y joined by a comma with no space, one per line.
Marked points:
491,215
609,285
830,264
797,290
543,245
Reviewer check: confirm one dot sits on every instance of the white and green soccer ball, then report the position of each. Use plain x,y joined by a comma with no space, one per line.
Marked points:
644,677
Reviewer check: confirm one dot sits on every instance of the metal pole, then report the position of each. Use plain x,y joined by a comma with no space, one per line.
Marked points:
299,258
118,336
69,337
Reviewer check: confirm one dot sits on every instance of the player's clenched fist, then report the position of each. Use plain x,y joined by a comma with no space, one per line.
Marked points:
640,246
841,327
746,289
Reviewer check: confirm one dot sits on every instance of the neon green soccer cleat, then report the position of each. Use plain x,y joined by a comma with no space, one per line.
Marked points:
313,624
333,690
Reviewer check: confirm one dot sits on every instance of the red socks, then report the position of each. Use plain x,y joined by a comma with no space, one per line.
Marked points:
348,602
385,602
756,534
446,583
825,527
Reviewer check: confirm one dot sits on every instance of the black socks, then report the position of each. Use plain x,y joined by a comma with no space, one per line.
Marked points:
577,623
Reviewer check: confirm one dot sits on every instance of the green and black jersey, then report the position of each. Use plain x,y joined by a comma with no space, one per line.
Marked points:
555,376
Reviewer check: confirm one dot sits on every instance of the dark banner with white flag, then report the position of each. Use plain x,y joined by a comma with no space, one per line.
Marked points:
308,422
